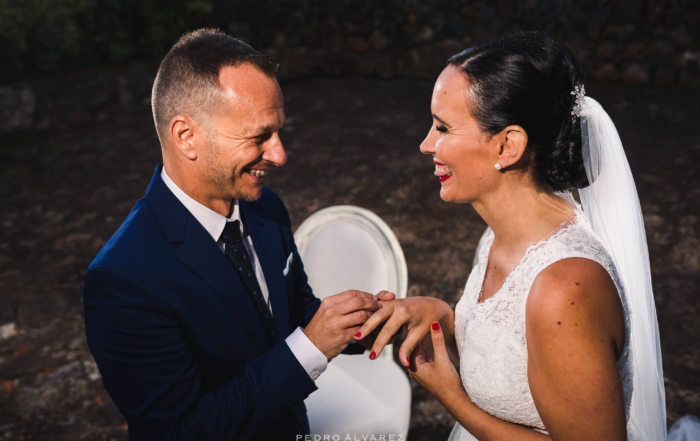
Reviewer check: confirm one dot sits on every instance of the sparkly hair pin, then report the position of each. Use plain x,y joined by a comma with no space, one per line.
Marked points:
579,92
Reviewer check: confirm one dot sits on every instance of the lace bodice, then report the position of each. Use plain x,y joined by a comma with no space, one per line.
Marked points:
491,335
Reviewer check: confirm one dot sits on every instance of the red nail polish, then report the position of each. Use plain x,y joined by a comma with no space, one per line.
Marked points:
358,335
408,360
436,326
372,355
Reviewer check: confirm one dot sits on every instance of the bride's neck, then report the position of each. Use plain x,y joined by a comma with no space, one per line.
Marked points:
519,213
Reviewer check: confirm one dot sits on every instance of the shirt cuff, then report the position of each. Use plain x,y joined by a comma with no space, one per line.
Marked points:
309,356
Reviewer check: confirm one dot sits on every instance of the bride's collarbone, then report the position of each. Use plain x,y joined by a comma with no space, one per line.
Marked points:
498,267
504,259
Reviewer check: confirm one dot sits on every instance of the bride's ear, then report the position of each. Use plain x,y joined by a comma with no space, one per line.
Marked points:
513,144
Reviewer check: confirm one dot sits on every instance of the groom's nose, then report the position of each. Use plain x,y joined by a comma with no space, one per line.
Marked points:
273,151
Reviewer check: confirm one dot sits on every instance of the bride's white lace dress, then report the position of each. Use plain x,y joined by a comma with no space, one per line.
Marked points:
491,335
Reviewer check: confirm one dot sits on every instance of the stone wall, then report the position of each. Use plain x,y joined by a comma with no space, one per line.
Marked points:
81,98
632,41
617,41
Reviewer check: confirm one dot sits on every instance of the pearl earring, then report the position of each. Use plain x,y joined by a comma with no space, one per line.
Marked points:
498,166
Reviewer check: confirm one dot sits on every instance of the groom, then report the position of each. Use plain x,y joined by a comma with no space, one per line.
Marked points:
198,311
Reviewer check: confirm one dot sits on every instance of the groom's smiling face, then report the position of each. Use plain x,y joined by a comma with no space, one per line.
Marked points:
243,141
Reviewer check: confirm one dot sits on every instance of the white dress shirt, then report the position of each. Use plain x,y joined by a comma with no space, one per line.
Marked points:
308,355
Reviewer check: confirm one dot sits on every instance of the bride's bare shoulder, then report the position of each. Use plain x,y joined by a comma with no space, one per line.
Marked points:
574,338
574,294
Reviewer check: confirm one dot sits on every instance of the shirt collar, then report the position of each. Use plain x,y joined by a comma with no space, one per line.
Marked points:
212,221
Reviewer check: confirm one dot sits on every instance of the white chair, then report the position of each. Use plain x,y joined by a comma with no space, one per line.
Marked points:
342,248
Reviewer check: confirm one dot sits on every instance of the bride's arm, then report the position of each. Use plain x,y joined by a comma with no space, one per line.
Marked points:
416,313
575,330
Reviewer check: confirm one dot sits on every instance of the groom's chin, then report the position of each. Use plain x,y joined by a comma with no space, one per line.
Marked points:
251,196
248,193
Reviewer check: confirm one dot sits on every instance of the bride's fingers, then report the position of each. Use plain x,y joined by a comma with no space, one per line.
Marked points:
439,350
421,359
421,356
413,339
384,337
374,321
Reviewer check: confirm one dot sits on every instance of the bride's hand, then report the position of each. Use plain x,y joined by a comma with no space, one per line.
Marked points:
416,313
368,340
432,368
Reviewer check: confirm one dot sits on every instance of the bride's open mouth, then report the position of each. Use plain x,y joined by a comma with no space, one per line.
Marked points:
442,171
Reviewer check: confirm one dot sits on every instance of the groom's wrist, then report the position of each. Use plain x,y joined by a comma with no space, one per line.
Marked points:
309,356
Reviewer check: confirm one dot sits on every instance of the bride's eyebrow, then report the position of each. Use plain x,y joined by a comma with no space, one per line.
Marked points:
441,121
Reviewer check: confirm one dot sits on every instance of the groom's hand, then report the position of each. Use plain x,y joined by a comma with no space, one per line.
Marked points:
386,296
337,320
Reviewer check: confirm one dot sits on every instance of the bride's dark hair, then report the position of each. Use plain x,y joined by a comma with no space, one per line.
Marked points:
526,79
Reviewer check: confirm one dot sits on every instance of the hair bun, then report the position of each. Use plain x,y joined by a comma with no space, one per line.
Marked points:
562,169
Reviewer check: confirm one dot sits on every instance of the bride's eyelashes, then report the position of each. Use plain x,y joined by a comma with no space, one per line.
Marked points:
441,129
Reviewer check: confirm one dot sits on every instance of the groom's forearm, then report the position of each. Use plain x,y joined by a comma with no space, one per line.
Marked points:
248,404
152,376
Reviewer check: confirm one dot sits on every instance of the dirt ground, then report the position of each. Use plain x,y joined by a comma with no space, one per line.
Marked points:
350,141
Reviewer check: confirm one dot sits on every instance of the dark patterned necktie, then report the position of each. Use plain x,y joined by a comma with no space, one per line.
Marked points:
237,255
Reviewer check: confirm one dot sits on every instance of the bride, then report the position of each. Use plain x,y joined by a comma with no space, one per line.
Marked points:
555,336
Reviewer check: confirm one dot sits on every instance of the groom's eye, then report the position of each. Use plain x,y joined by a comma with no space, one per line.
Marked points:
442,129
262,137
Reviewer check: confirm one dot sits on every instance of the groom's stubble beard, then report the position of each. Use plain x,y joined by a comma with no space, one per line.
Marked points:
227,178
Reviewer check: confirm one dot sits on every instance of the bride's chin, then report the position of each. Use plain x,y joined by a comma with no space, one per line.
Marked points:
450,196
446,195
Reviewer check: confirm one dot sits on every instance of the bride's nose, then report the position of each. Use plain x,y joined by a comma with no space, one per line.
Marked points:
428,145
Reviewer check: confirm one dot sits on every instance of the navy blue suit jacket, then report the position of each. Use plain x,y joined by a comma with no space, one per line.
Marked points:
181,348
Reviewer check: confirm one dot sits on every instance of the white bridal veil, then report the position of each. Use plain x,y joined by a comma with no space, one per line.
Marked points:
611,205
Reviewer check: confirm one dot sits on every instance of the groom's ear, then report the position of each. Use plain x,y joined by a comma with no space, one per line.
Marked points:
182,132
513,144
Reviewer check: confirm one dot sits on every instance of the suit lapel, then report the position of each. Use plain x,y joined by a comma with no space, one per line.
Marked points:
203,255
270,261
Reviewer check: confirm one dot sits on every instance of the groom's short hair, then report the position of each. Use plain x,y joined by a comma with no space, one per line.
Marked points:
188,78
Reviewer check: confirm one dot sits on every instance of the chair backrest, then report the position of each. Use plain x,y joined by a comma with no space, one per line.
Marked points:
347,247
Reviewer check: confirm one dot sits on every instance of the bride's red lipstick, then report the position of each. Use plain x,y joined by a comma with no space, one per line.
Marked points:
442,177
